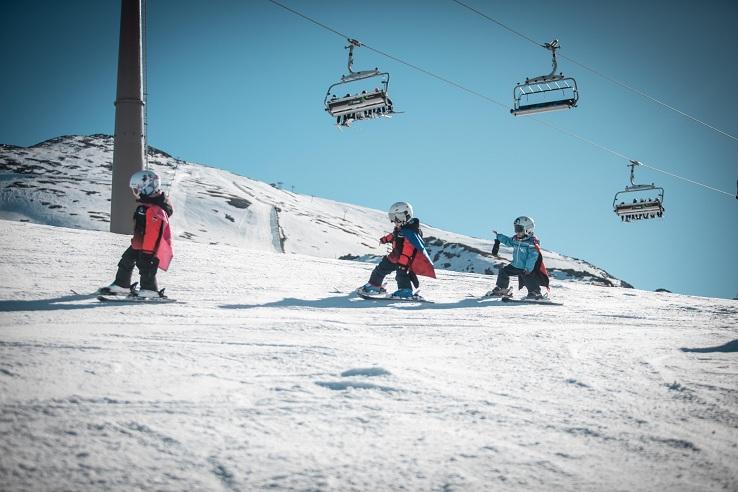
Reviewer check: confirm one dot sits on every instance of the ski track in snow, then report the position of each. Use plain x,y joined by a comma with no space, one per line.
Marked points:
272,375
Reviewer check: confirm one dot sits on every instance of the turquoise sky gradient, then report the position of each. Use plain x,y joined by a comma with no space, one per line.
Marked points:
239,85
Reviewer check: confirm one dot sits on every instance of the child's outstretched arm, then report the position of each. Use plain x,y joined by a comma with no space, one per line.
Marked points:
502,238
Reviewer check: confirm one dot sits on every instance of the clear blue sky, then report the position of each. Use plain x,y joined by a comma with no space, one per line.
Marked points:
239,85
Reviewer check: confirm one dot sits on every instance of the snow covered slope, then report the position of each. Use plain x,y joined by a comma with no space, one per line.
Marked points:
272,376
66,182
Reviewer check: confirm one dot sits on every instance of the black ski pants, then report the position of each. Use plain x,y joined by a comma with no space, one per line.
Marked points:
530,282
384,268
147,264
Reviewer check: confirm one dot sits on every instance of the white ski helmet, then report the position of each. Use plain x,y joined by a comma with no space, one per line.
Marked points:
524,224
400,212
144,183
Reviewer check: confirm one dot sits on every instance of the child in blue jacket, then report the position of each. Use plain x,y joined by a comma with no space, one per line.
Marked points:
527,262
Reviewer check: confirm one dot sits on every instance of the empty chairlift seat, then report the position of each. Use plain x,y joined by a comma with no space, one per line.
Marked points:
547,92
544,95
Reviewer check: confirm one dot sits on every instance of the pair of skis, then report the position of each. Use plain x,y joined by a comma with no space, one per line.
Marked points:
385,296
105,295
523,300
418,298
130,298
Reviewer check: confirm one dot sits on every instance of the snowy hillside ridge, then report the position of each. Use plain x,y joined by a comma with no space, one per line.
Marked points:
65,182
445,254
271,374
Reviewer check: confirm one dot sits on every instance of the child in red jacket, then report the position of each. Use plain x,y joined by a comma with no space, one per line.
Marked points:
151,245
408,257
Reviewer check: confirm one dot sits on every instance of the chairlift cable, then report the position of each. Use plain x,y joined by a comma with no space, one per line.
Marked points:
435,76
647,96
387,55
489,99
310,19
622,156
687,179
579,137
600,74
507,28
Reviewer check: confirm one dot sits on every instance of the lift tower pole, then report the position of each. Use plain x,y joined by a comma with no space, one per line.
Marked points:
128,151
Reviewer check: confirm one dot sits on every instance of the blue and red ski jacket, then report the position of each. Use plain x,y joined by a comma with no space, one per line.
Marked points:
408,249
527,255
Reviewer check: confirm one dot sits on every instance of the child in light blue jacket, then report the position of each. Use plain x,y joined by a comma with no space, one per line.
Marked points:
527,262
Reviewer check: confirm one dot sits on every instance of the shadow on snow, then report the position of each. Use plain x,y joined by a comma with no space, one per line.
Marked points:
349,301
727,347
53,304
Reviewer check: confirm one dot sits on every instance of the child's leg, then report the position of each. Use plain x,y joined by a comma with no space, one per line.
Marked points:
147,266
532,283
403,279
125,267
503,278
384,268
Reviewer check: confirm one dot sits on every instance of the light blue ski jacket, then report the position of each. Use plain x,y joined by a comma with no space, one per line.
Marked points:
525,253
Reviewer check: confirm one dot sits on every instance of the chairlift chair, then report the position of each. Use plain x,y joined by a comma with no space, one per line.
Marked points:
629,207
547,92
365,104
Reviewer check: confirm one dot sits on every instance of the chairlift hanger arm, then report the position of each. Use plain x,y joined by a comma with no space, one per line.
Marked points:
362,74
632,165
352,43
552,47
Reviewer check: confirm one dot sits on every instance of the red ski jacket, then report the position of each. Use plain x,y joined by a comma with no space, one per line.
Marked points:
152,234
408,249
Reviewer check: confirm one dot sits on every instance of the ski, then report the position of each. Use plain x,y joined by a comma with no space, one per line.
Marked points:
388,297
82,293
137,299
531,301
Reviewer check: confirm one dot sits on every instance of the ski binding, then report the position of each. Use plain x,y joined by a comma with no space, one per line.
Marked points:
385,296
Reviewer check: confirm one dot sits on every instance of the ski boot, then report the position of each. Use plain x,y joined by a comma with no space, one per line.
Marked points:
116,290
403,294
371,290
150,294
535,296
499,292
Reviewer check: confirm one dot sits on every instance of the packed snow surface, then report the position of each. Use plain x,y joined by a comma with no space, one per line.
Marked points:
271,374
